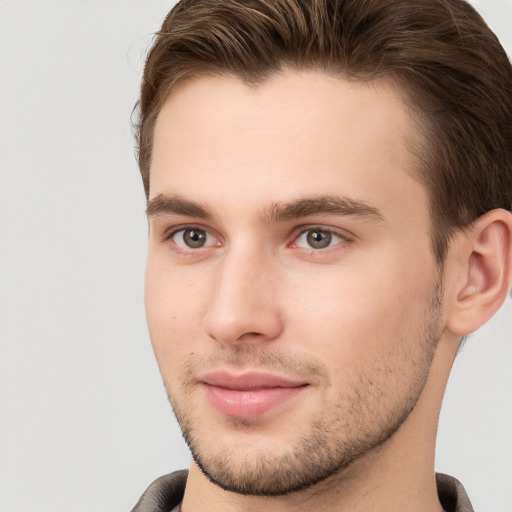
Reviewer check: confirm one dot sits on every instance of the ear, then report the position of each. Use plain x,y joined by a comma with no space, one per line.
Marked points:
484,264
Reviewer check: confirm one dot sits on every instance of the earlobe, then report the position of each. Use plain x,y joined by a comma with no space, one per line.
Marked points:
487,271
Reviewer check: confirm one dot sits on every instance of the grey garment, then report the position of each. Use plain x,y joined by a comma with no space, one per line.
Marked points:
163,494
167,491
452,495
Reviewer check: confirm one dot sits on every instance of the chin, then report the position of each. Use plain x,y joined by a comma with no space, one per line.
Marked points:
243,460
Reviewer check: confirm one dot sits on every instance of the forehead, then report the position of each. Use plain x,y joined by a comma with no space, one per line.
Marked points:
297,133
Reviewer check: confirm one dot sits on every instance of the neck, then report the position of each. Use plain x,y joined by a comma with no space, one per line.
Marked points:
368,485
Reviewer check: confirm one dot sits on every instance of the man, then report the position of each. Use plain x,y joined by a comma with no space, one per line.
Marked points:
329,189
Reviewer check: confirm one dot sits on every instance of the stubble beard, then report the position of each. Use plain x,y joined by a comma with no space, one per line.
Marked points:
357,426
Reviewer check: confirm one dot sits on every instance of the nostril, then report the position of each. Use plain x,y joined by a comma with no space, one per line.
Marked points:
247,336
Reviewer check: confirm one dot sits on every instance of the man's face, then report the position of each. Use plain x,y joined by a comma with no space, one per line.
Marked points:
292,297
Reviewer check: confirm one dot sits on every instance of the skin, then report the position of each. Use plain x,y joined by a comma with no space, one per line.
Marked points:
364,322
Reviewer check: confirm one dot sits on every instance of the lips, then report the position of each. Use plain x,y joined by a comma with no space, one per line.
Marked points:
249,395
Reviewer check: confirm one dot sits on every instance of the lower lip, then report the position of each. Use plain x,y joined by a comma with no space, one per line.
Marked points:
249,404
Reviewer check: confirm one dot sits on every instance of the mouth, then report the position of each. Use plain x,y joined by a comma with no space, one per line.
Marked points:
249,395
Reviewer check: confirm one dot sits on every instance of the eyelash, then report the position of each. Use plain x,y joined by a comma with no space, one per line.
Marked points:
344,238
168,235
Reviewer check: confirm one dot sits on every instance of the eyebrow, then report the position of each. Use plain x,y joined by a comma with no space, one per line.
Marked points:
278,212
163,204
323,205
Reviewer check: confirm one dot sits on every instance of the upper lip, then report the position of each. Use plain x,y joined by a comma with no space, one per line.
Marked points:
249,381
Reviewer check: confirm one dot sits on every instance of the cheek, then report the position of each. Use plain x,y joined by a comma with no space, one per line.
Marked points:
350,315
175,306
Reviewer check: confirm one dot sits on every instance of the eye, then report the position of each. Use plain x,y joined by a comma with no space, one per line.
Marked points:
318,238
193,238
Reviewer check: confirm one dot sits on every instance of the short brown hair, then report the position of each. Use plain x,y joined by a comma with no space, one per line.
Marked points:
451,68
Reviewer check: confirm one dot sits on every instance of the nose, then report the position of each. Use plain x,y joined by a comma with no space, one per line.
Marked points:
244,303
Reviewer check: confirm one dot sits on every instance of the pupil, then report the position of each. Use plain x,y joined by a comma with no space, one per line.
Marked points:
194,238
319,239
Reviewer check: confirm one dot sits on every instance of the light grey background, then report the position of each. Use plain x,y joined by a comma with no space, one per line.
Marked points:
85,424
